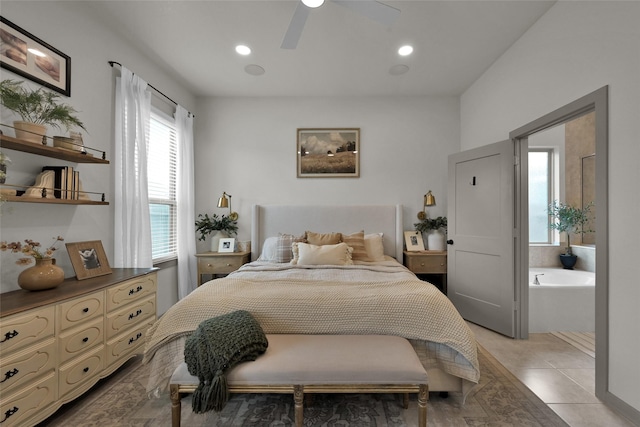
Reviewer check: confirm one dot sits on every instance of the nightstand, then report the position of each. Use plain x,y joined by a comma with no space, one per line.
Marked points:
220,262
428,262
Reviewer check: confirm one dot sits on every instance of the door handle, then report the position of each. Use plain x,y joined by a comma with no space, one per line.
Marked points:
449,242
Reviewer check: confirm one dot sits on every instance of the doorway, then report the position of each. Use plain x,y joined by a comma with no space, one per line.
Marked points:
596,102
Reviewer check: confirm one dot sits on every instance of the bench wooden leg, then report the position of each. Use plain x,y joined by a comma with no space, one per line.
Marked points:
298,399
176,405
423,396
405,400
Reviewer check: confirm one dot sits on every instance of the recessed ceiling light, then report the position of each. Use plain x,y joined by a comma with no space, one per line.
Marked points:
254,70
313,3
399,69
243,50
405,50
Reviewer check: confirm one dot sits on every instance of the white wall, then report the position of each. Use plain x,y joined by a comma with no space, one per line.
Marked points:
574,49
90,45
247,147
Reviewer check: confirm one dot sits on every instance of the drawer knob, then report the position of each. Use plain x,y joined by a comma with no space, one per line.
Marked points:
135,291
85,370
9,374
10,335
209,265
228,265
8,413
85,339
85,310
422,264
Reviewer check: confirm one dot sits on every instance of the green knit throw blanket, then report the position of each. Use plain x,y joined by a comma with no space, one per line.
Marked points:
219,344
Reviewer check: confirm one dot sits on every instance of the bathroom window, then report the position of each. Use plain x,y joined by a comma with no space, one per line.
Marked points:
540,194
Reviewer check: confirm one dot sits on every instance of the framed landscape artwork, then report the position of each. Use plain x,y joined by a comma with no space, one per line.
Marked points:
24,54
328,153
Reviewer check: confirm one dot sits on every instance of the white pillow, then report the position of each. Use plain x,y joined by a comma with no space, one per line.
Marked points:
373,245
269,250
307,254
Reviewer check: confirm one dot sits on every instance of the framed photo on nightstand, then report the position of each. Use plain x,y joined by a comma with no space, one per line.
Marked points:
227,245
413,241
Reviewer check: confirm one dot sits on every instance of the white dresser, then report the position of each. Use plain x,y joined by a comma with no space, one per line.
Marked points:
56,344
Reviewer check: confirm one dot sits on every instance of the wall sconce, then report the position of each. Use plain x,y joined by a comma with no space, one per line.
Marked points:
223,202
429,200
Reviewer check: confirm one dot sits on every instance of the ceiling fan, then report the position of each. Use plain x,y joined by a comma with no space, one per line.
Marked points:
372,9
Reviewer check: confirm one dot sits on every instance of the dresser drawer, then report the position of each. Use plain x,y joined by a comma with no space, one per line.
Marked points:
219,265
16,409
27,365
78,311
73,375
76,342
22,330
131,290
131,316
435,264
127,343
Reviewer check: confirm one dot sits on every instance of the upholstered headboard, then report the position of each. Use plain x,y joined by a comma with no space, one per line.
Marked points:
269,220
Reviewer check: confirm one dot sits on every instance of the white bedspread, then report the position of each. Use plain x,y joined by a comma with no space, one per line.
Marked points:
367,298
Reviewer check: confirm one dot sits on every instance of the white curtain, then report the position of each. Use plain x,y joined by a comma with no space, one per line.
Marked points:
187,268
132,242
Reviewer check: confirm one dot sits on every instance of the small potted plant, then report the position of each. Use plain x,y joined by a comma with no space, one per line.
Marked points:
221,227
435,230
45,274
38,109
569,219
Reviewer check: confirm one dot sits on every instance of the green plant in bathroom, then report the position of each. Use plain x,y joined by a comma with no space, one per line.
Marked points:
570,219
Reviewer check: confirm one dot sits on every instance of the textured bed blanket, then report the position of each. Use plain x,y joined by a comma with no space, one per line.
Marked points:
359,299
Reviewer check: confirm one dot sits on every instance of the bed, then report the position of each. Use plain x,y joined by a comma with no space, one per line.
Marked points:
321,293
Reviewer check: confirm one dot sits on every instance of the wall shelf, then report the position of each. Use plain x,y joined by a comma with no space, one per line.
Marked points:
51,201
12,143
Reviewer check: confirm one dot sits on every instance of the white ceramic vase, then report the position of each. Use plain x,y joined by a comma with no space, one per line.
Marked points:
435,241
215,239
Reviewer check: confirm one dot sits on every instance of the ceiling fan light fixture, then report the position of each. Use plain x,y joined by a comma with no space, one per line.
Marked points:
313,3
405,50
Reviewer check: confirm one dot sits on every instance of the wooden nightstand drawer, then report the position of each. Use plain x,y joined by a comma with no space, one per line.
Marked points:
220,262
436,264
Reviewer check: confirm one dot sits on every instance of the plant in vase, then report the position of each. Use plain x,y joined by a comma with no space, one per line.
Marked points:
435,229
38,107
45,274
569,219
221,227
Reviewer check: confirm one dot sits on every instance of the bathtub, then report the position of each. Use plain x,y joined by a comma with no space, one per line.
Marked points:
564,300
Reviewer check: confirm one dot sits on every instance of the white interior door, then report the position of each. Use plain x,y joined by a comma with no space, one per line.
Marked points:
481,282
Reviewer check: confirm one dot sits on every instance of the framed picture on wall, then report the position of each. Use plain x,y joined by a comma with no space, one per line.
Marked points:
26,55
413,241
88,259
328,153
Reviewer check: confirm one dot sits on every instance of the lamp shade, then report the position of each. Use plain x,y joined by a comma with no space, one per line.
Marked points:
223,202
429,199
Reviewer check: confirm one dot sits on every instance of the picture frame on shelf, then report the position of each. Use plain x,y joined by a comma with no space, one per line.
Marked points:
413,241
88,259
227,245
328,152
32,58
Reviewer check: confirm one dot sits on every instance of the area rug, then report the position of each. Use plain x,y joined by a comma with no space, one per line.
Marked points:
498,400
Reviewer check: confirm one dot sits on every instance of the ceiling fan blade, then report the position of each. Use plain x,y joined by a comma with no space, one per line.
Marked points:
296,26
372,9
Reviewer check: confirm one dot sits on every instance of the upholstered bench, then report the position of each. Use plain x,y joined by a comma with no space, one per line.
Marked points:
301,364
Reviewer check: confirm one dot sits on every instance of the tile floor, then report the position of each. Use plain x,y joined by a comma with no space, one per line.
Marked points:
559,374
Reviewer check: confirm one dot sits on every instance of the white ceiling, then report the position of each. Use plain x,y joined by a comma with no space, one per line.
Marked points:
339,53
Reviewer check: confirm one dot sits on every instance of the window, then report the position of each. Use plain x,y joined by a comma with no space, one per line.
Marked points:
540,193
161,170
